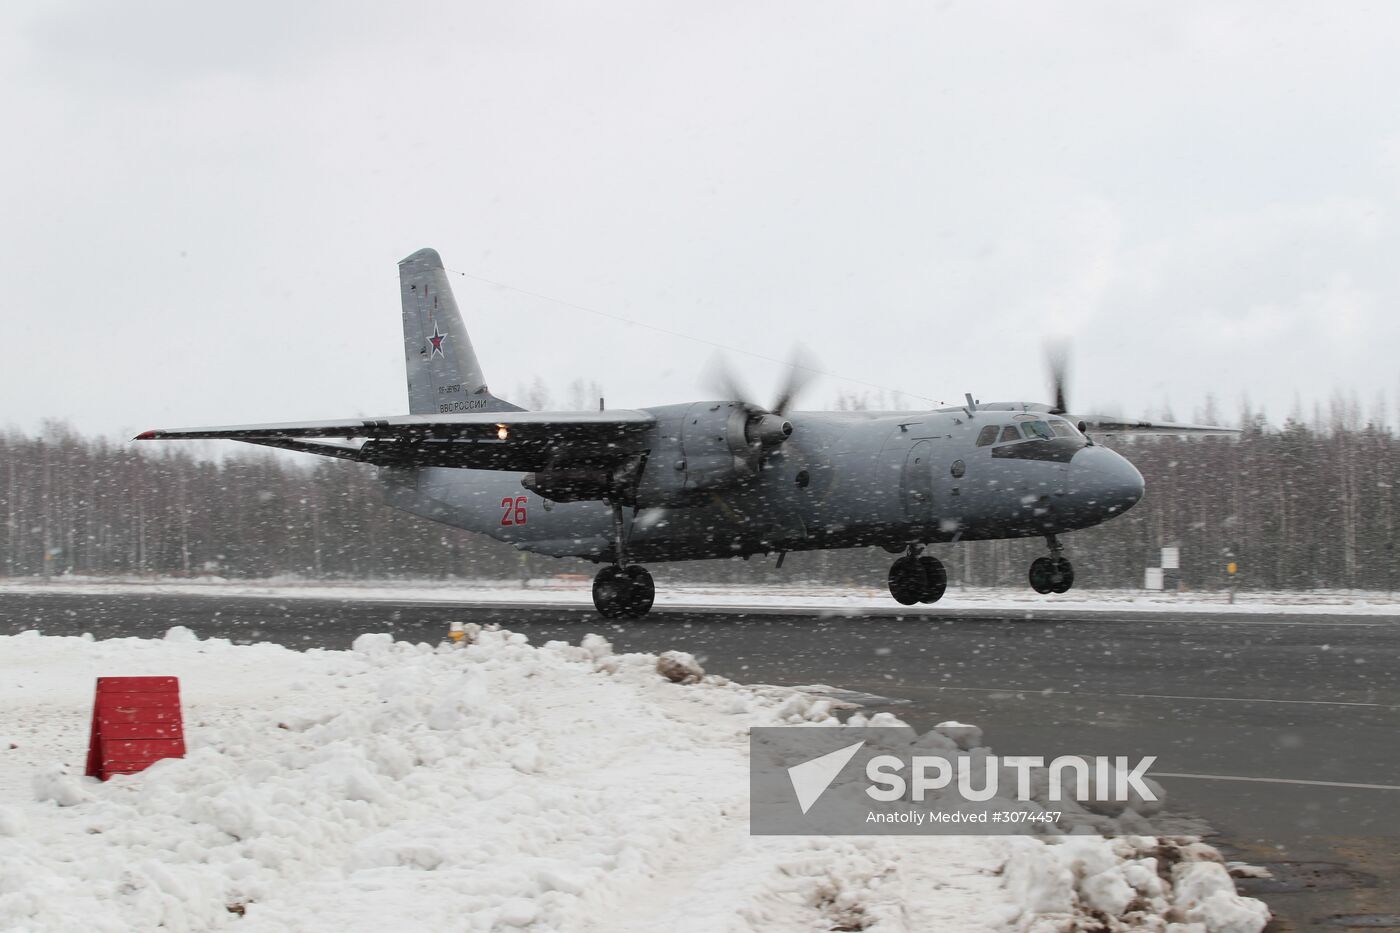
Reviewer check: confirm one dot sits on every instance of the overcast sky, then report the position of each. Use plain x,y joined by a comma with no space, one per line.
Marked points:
204,204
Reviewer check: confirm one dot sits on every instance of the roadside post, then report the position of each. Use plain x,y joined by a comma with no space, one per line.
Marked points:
1171,568
136,722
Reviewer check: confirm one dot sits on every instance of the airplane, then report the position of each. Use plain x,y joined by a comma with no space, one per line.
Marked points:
718,478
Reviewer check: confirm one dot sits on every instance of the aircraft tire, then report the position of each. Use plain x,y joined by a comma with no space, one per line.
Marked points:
935,579
1063,577
906,581
641,591
1042,574
611,592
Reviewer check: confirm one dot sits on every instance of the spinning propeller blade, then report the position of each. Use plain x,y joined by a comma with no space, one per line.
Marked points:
1057,362
801,372
766,427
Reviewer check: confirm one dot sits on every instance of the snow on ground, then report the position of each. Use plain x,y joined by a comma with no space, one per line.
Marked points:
495,785
816,597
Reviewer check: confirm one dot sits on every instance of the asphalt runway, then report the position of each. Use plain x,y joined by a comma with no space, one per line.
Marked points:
1281,729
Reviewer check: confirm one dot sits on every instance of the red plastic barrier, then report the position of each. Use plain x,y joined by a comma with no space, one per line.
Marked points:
135,723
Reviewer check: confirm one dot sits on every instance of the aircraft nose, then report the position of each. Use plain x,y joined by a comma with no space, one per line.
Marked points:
1104,483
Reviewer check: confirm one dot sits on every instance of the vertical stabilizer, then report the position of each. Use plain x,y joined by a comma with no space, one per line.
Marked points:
444,376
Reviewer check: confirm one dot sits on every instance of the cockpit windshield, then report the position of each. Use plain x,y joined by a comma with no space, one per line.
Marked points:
1038,429
1046,438
1046,430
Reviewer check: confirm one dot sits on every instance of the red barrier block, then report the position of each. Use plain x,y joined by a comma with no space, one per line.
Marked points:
135,723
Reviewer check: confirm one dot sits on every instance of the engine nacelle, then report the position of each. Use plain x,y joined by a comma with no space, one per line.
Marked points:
706,446
714,447
724,442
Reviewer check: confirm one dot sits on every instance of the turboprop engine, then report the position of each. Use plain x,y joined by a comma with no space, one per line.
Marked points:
693,449
724,442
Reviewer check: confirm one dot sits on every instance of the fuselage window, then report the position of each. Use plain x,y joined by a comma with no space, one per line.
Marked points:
988,436
1039,429
1009,433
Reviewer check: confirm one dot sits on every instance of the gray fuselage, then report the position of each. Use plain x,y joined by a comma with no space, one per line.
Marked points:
843,479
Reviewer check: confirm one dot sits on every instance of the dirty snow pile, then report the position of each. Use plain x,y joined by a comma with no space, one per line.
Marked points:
489,786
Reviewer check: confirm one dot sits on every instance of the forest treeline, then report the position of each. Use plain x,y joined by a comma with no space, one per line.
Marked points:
1306,505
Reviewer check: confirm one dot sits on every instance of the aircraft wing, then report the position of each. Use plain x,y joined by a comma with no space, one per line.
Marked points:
1103,424
516,441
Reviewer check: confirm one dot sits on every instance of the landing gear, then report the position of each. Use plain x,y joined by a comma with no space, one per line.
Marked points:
917,579
622,589
623,592
1053,574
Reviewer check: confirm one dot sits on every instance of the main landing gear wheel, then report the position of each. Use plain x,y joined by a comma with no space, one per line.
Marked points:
643,590
935,579
918,580
620,592
1051,575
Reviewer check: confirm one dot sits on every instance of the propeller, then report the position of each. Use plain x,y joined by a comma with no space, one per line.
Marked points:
765,427
1057,361
802,370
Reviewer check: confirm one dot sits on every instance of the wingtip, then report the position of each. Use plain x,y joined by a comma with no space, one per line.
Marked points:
147,435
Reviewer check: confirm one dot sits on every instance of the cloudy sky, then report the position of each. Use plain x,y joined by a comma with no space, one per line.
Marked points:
204,204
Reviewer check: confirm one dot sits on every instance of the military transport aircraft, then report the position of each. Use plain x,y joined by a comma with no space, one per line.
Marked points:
717,478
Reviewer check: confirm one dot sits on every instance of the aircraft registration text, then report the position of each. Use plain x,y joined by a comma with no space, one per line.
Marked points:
475,404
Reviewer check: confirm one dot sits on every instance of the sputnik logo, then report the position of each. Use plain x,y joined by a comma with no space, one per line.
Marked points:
436,340
811,778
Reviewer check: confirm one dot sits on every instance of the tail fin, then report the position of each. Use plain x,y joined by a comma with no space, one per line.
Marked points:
444,376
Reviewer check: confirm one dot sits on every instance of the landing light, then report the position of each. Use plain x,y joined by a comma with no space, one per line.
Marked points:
502,432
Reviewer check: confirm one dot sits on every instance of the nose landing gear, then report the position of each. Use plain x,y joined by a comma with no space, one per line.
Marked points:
1053,574
917,579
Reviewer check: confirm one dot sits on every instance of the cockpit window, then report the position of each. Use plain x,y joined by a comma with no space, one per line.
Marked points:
1009,433
1062,428
988,436
1039,429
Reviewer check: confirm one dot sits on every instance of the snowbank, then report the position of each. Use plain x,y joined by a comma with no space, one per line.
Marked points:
491,786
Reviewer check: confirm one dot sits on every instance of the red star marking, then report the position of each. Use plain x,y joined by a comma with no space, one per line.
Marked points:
436,340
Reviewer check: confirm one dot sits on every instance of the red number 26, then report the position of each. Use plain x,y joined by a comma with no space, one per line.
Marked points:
513,510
